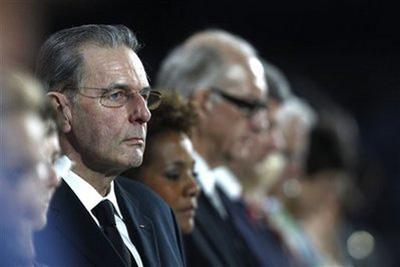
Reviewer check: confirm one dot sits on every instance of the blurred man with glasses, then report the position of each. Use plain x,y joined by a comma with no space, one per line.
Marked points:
99,89
222,74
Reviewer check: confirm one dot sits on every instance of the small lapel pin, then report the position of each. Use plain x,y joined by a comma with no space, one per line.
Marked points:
142,226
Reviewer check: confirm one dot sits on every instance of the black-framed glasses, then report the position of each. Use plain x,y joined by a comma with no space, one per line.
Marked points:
116,97
250,107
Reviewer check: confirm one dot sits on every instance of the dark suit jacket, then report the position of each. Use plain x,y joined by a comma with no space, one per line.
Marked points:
264,244
72,238
214,241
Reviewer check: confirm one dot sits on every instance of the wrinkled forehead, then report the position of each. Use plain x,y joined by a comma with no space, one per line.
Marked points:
106,65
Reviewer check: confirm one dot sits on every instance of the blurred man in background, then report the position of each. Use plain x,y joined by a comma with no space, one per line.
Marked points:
288,130
223,76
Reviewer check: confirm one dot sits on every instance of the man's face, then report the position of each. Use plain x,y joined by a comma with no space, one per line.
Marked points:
233,125
270,169
110,140
295,128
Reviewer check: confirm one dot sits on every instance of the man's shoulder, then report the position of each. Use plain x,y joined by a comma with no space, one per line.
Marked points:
140,192
149,204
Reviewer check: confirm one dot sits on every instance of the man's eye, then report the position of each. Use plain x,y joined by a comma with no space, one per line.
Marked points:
116,95
246,109
172,175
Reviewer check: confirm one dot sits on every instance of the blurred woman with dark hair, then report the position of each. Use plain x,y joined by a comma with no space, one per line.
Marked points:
168,164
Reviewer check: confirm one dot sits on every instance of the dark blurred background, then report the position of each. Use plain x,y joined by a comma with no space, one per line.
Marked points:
348,49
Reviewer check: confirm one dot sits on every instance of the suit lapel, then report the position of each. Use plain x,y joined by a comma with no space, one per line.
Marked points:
74,221
140,227
212,226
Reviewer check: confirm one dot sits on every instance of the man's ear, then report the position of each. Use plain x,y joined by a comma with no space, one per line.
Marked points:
61,105
202,101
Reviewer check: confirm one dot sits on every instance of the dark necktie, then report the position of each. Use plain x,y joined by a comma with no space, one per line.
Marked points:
104,212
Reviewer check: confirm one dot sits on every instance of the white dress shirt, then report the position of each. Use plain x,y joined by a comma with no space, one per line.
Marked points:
228,182
89,197
207,180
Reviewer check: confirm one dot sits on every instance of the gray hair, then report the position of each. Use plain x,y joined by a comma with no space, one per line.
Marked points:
278,85
187,69
60,64
199,63
296,107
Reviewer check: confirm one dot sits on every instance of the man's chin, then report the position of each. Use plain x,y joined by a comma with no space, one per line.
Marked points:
127,164
120,164
135,160
135,163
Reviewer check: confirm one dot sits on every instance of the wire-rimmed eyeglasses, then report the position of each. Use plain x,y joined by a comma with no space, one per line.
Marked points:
116,97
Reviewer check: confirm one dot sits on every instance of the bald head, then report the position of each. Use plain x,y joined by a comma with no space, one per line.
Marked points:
213,58
220,40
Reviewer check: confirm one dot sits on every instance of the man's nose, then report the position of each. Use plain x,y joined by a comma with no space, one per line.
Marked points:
138,110
277,140
259,120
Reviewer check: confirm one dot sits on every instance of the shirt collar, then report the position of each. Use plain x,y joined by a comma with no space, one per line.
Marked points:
228,182
205,176
86,193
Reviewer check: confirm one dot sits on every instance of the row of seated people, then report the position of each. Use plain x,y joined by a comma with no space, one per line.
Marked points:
234,162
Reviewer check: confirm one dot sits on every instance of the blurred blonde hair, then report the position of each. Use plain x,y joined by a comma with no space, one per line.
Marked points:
22,93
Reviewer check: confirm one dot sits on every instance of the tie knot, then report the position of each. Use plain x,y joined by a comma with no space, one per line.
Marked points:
104,212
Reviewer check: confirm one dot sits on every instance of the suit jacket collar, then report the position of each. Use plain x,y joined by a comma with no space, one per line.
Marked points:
87,194
140,227
228,182
74,221
210,224
205,176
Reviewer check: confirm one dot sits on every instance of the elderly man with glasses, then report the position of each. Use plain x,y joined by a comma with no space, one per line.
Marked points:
99,89
222,74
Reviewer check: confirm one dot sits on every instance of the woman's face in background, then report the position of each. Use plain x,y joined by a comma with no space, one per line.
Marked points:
169,170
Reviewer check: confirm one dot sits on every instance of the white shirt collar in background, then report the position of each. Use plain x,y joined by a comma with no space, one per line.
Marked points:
205,176
228,182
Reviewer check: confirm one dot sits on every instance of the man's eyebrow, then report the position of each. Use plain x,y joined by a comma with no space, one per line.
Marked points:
119,86
125,87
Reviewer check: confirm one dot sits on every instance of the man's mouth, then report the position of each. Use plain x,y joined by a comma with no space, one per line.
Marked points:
135,141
